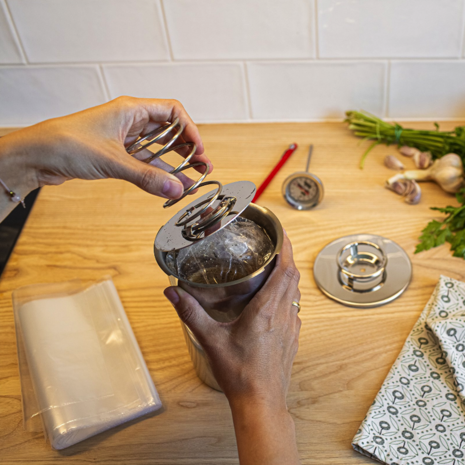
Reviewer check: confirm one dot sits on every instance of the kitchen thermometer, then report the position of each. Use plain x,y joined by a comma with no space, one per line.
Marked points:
303,190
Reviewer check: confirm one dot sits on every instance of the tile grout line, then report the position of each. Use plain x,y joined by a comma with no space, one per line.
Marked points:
76,64
202,61
248,95
165,25
292,121
315,31
104,83
387,88
22,50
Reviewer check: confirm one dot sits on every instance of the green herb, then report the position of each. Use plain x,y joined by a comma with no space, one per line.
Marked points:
437,142
451,229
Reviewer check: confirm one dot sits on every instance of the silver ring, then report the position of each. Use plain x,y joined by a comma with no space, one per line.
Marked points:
296,304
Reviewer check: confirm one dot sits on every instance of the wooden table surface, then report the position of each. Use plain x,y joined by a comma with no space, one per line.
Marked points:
90,229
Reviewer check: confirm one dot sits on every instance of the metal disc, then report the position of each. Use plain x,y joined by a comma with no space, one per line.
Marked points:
170,237
398,273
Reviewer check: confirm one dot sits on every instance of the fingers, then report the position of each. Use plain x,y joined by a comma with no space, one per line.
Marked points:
191,131
291,294
287,310
285,271
298,326
294,320
284,275
150,178
186,181
274,301
159,163
168,110
190,312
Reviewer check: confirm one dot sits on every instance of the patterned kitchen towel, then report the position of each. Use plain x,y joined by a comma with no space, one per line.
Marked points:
418,416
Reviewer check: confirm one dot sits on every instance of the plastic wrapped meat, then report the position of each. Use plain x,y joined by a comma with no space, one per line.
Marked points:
238,250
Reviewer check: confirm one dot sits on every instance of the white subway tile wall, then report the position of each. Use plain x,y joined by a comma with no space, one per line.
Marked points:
427,88
208,91
312,91
10,52
235,60
393,28
240,29
67,31
34,93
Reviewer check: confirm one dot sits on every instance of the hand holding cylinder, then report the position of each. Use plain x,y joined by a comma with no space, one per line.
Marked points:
251,358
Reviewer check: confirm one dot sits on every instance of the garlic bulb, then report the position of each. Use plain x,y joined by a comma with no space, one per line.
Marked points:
408,188
393,163
446,171
407,151
422,160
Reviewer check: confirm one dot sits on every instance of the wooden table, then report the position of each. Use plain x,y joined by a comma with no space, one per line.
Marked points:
90,229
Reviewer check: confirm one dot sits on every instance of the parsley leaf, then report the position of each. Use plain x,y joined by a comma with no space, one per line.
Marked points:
451,229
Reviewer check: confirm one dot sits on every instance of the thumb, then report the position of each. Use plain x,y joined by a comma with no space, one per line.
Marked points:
151,179
190,312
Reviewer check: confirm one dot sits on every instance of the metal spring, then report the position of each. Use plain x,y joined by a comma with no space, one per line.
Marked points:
195,220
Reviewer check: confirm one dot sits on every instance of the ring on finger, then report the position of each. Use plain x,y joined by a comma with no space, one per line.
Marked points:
296,304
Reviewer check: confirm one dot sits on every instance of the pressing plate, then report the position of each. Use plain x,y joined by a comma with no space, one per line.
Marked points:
376,272
170,236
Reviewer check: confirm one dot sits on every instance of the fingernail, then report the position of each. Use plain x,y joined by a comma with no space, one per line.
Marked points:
284,231
172,295
172,188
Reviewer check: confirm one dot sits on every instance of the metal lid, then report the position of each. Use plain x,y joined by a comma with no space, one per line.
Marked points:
362,270
205,215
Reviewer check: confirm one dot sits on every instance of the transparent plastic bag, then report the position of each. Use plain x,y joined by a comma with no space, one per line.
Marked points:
237,251
81,369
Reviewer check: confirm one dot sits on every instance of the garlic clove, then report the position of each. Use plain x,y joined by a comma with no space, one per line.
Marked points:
408,188
399,186
422,160
407,151
393,163
413,194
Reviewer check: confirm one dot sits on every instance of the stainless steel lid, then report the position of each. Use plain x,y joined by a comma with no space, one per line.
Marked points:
362,270
205,215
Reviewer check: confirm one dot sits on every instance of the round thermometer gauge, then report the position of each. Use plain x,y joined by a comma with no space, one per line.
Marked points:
303,190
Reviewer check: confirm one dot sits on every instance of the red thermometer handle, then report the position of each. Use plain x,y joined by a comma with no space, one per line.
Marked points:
287,154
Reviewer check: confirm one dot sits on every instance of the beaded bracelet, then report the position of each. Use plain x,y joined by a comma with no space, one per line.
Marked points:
14,197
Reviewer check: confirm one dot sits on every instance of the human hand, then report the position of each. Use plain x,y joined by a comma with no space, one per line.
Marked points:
92,144
251,357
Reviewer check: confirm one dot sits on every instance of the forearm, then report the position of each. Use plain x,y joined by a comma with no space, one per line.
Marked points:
265,435
15,170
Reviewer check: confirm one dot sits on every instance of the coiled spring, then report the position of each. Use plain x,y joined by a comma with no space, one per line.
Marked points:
196,220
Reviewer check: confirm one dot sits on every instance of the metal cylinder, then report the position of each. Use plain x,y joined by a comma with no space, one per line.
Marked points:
225,302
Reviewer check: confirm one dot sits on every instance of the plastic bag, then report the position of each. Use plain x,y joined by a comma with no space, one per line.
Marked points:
81,369
238,250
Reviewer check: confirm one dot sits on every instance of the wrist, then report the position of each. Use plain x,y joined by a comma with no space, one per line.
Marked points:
15,163
16,171
258,407
265,433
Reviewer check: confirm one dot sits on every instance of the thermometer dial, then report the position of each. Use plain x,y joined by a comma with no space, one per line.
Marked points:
303,190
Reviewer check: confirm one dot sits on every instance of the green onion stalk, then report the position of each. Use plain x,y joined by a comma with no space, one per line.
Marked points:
439,143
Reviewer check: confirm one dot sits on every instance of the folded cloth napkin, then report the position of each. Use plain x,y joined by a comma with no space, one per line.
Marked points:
418,416
84,364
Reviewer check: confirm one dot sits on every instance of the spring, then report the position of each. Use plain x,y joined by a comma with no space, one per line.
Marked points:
196,220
